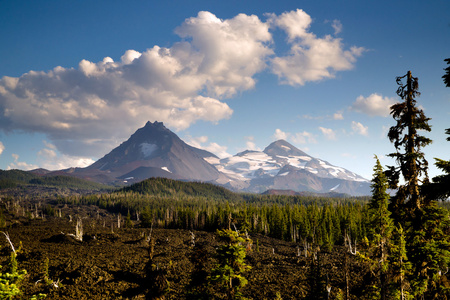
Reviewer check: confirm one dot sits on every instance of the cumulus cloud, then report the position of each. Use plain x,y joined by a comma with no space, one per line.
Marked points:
250,143
338,116
337,26
304,138
359,128
298,138
328,133
311,58
21,165
280,135
201,142
49,158
2,147
374,105
232,50
88,110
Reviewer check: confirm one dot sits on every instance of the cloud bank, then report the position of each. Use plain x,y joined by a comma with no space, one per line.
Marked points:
88,110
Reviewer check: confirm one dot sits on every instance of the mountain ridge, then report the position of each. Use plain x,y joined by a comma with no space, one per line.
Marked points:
155,151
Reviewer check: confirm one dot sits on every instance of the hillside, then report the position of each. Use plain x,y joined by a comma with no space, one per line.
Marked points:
18,178
171,188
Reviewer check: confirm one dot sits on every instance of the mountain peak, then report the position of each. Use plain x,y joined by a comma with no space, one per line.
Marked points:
155,124
283,148
154,150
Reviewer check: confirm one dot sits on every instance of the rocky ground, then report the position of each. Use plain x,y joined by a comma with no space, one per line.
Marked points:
110,262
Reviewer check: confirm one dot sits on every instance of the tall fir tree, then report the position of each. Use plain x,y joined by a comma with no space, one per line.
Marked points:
427,246
412,165
380,228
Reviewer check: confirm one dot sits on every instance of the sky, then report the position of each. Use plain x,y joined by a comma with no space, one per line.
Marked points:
77,78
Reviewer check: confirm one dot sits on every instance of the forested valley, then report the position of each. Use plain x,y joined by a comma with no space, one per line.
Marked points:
167,239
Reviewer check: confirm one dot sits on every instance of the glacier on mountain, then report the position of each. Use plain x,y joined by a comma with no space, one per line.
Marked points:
249,165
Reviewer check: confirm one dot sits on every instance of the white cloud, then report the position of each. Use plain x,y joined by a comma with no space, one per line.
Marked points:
304,138
21,165
297,138
232,50
201,142
374,105
338,116
2,147
49,159
310,58
250,143
280,135
328,133
88,110
337,26
359,128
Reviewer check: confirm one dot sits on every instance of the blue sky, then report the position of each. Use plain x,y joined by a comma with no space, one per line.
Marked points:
77,78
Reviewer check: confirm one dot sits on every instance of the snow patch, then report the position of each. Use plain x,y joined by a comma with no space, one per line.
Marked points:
147,149
332,189
165,169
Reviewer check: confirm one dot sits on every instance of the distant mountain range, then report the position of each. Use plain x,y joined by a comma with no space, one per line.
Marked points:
155,151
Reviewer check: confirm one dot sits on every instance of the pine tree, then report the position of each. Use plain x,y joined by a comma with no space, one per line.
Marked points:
380,229
400,266
427,247
411,161
229,272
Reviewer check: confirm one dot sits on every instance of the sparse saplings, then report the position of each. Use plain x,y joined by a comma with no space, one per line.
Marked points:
11,278
230,268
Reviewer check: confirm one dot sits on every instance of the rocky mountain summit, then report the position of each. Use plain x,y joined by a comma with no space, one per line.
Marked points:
155,151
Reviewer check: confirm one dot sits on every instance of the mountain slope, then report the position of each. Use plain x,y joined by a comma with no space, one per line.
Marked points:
283,166
153,148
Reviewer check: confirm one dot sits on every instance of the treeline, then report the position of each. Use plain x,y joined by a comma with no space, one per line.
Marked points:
166,203
17,178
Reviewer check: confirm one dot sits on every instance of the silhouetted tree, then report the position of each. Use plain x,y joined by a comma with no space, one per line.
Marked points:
411,161
427,246
439,189
446,76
